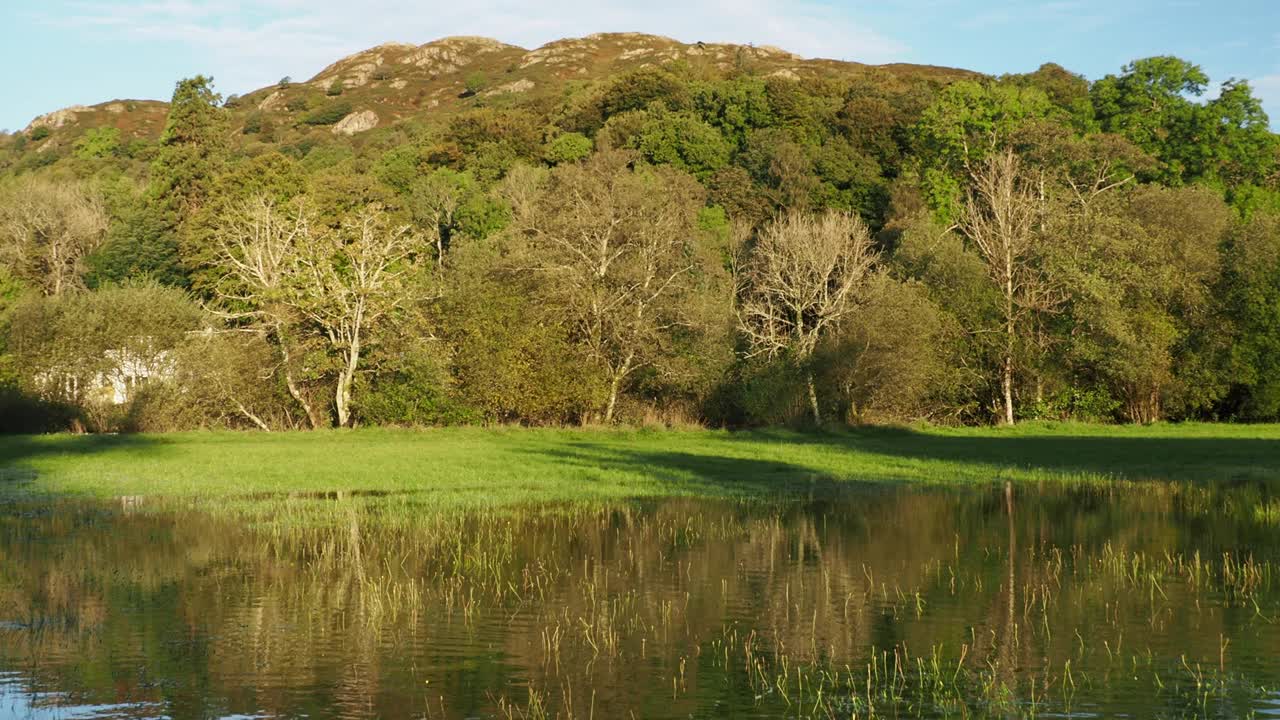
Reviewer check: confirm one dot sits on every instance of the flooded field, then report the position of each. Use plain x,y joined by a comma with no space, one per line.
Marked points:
1144,600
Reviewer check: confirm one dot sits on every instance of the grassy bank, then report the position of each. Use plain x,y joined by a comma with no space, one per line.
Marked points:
497,466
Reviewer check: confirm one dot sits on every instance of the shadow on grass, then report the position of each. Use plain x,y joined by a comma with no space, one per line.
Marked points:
19,452
819,462
700,474
1168,456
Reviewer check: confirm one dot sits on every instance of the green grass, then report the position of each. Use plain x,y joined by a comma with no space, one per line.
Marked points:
477,466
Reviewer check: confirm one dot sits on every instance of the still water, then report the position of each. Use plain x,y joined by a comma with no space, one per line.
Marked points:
1152,600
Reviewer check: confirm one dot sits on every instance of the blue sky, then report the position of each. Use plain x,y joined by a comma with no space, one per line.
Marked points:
56,53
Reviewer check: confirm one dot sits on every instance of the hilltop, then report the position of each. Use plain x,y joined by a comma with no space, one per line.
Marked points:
394,82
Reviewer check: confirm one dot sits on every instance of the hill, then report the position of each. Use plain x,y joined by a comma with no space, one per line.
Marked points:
395,82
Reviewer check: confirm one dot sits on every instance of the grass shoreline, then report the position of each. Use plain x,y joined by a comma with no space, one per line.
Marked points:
500,466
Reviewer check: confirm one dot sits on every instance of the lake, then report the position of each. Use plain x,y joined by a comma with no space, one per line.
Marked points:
849,600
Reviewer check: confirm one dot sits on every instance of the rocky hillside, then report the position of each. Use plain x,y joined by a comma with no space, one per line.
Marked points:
394,82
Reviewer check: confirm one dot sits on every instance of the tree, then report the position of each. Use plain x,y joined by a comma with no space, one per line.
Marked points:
47,229
1000,217
193,147
256,241
803,276
192,152
346,280
968,122
614,239
338,282
1153,104
682,141
1251,299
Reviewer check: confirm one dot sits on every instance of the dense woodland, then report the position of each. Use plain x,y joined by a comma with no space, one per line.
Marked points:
670,244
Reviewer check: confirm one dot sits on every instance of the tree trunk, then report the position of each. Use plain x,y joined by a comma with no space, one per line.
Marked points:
294,392
615,385
813,397
342,394
1007,379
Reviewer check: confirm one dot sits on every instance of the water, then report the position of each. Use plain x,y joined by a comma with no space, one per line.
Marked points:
1128,600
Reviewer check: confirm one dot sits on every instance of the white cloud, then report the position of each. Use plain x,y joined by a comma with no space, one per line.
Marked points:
1267,88
252,45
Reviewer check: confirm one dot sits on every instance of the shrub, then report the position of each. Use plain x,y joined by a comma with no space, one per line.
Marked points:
329,114
415,394
40,132
474,83
335,88
98,143
254,123
297,104
569,147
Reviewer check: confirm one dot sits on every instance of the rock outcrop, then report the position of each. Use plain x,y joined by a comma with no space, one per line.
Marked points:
356,122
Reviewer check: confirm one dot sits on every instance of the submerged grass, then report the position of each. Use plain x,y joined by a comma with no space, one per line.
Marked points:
481,467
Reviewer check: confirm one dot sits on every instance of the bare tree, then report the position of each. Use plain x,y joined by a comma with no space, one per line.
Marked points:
256,244
293,276
803,275
617,240
346,280
47,229
1001,216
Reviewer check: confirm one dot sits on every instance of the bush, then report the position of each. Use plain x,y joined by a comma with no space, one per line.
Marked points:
335,88
41,132
474,83
416,394
63,345
22,413
569,147
298,104
254,123
329,114
98,143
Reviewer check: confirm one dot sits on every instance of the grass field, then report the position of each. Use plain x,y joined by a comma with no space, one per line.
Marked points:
478,466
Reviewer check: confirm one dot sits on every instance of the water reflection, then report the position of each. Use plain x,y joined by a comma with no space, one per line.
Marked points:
1158,598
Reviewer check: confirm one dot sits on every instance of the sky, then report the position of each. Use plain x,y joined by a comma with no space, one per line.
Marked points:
56,53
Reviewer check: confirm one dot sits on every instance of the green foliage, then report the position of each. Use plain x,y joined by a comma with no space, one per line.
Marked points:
416,393
1251,304
63,346
638,89
1153,103
969,119
193,149
255,122
734,107
328,114
142,245
475,82
569,147
98,143
335,88
40,132
682,141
